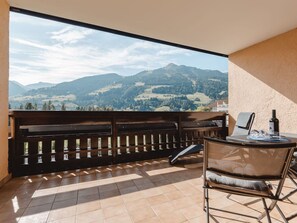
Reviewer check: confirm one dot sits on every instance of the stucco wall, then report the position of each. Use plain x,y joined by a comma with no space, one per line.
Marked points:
264,77
4,21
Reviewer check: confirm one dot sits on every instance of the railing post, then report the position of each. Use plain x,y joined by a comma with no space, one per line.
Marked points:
114,139
225,129
179,132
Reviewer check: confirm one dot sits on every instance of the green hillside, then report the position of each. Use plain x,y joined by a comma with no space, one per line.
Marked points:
168,88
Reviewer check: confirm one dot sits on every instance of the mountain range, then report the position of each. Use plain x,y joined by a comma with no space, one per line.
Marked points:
173,87
15,88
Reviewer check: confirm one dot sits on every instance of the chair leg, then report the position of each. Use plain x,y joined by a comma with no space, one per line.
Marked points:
282,214
292,192
266,212
206,198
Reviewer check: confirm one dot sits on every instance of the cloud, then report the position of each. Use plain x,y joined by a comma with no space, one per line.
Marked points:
71,34
172,51
75,55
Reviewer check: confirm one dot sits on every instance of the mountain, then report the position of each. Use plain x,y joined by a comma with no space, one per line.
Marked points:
79,86
172,87
39,85
16,88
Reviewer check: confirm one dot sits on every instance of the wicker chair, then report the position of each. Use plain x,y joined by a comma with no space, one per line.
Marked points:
246,169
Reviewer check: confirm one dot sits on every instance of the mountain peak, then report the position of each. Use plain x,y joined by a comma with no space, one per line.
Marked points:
171,65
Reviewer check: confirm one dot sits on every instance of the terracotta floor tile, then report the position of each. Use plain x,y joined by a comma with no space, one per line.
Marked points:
140,214
88,191
88,206
173,195
91,216
61,213
129,190
14,205
133,196
11,215
123,218
125,184
141,203
183,202
88,198
36,214
151,192
155,219
158,199
108,202
42,200
108,187
64,204
114,210
168,188
159,209
109,194
65,220
172,217
192,211
66,195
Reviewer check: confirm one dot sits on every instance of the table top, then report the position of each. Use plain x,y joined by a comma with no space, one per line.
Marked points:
242,139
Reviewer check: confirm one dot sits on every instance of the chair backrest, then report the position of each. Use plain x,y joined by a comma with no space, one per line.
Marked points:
248,161
243,123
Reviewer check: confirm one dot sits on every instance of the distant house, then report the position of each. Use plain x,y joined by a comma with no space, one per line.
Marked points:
219,106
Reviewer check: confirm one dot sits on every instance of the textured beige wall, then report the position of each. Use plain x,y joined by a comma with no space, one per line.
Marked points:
4,25
264,77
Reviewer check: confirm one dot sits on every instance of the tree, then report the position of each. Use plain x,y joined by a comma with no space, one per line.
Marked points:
29,106
63,107
21,106
44,106
50,106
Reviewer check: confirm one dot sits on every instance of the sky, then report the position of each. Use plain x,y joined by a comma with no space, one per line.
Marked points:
48,51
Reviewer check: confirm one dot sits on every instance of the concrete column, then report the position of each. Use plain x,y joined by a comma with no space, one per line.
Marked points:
4,45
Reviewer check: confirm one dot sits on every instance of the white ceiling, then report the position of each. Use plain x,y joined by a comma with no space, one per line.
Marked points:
221,26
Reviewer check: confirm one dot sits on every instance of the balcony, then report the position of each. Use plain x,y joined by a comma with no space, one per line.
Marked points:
87,171
113,167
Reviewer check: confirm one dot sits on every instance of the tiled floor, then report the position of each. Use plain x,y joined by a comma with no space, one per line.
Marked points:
149,191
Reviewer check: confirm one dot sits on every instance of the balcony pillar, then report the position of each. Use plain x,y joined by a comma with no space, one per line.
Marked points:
4,55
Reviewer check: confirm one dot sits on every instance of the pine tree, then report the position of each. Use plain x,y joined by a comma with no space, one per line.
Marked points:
29,106
44,106
63,107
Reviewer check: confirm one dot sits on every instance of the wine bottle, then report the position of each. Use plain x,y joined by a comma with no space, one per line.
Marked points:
274,124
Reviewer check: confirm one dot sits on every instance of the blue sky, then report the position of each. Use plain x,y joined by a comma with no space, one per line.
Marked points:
48,51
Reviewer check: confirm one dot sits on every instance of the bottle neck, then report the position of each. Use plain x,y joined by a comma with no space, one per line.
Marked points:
273,114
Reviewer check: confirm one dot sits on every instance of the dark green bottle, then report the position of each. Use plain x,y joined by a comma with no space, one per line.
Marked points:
274,124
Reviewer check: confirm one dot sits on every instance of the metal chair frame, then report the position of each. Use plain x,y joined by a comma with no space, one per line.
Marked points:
288,149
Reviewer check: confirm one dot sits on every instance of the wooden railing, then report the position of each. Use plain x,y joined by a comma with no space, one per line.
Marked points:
61,140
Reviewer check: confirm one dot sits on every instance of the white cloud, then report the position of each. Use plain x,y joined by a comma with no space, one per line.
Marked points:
71,34
172,51
64,62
